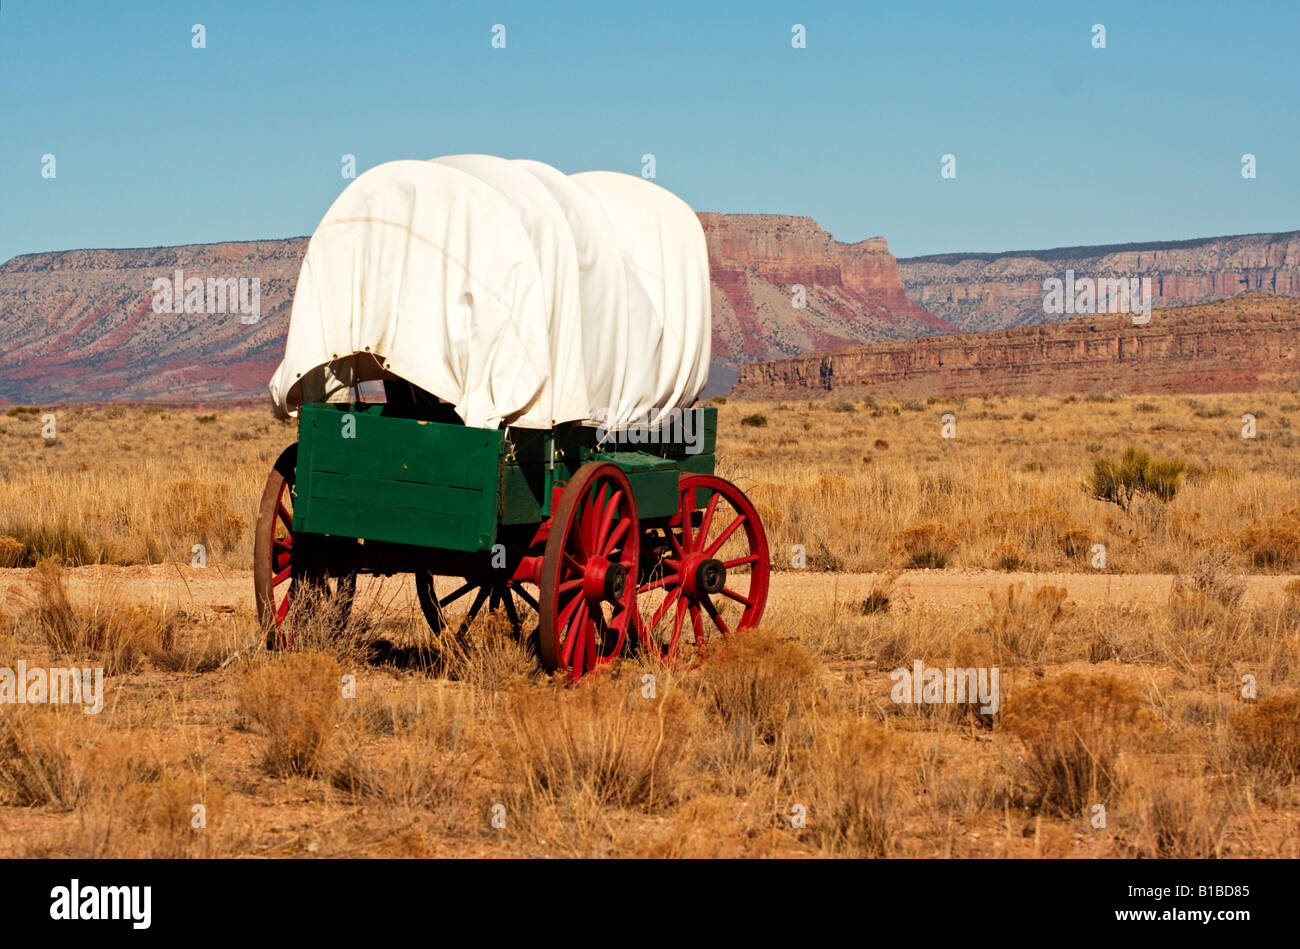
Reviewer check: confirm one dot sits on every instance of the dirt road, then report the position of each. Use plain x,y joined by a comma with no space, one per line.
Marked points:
221,590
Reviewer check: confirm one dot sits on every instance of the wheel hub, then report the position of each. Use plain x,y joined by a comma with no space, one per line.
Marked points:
705,577
603,580
615,582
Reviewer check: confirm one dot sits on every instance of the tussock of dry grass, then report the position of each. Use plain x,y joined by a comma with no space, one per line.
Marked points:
294,699
118,635
419,759
853,773
1179,817
759,684
1074,729
1021,625
62,758
602,744
1267,740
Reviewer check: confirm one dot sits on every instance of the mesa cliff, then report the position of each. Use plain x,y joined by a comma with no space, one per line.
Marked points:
982,292
81,325
782,285
1248,343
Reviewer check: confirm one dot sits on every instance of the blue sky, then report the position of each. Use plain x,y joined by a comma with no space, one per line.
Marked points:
1056,143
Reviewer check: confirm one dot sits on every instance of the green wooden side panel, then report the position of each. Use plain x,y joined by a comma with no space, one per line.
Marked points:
653,480
697,464
394,479
448,486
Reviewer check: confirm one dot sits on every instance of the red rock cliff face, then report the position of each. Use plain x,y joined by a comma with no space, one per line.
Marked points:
79,324
1245,344
851,292
980,292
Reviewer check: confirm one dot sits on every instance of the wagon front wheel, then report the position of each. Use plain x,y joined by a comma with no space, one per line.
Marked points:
710,574
290,571
587,601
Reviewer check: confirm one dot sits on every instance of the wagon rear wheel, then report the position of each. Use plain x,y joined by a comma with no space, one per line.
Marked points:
711,570
291,578
478,594
587,600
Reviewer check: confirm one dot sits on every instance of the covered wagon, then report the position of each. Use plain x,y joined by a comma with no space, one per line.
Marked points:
494,369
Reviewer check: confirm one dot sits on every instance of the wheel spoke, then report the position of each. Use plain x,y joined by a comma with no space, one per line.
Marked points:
732,594
663,607
600,628
285,517
569,585
722,538
740,561
526,597
512,614
477,605
456,595
677,547
677,627
698,622
707,520
281,576
713,615
619,533
589,656
566,614
577,533
573,642
606,519
656,584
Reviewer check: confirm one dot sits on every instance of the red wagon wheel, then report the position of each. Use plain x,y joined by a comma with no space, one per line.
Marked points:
589,570
289,568
712,569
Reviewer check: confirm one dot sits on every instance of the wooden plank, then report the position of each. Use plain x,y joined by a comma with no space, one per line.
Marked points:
397,480
377,509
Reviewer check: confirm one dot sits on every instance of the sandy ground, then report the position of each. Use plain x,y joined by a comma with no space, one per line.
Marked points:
221,590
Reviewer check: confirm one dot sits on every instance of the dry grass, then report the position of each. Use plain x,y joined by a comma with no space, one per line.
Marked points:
857,790
410,756
1016,493
1267,739
119,636
1180,817
1074,730
786,744
607,744
294,699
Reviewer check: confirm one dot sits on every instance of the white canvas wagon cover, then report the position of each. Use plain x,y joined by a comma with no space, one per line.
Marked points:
583,299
